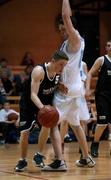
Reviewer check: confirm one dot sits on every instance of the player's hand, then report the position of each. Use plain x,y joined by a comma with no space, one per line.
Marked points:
88,94
62,88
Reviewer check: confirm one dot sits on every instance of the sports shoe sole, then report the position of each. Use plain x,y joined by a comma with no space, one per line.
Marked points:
87,165
20,170
60,169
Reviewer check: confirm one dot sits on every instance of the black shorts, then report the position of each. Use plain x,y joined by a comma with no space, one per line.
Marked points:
103,107
28,119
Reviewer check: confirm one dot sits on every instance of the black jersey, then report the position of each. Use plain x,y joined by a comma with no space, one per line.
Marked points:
46,91
104,78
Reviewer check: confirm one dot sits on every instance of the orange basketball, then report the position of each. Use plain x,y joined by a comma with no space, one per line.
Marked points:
48,116
12,116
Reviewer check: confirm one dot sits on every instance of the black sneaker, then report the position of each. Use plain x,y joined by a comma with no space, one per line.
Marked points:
88,162
38,160
57,165
94,149
21,166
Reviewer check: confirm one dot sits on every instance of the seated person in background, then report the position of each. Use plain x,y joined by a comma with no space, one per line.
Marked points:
4,68
27,59
20,78
26,73
2,94
8,85
6,125
17,83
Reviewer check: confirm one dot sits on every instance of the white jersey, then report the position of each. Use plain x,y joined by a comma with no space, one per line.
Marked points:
69,105
71,72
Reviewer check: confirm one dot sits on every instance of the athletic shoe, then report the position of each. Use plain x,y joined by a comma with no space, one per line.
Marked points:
88,162
67,139
57,165
21,166
94,149
38,160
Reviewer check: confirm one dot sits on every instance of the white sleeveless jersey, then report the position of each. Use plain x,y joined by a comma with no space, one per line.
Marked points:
71,72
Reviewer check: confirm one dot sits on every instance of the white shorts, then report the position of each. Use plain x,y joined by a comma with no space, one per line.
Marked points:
68,109
83,109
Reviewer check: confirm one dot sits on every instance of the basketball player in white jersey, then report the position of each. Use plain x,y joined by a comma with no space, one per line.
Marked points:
67,104
83,108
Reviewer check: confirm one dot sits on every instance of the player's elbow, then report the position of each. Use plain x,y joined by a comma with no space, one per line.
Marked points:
65,16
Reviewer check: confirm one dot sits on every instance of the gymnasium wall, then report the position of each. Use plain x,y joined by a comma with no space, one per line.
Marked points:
105,30
30,26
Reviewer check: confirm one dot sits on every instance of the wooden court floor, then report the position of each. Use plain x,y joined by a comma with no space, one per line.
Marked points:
9,156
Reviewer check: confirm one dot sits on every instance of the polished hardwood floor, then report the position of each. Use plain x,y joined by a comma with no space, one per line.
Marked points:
10,155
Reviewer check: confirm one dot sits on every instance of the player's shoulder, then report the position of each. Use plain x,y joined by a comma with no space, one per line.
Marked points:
100,60
38,71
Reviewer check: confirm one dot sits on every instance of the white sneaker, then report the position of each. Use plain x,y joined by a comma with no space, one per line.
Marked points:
85,162
57,165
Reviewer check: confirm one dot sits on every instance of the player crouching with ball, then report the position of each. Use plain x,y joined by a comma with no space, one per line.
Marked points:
37,92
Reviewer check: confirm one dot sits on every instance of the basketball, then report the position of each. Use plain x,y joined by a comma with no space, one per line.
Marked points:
12,116
48,116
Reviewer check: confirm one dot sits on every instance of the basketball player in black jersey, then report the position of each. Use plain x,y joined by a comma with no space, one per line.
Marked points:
102,66
38,91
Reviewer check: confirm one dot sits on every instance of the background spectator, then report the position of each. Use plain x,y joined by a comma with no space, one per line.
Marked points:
2,94
6,126
27,60
4,68
25,74
7,83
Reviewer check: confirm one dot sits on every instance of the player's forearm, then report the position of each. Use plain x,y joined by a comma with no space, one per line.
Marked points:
36,101
66,10
88,81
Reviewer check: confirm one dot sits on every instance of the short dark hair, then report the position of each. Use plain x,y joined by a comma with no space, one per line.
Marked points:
60,55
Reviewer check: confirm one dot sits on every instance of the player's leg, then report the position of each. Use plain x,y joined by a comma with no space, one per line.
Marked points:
63,131
83,114
26,124
58,164
74,120
102,121
38,157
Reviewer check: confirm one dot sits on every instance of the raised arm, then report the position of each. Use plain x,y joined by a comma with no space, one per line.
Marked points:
73,34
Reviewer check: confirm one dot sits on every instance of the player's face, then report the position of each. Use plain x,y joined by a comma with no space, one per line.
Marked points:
59,65
63,32
108,48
